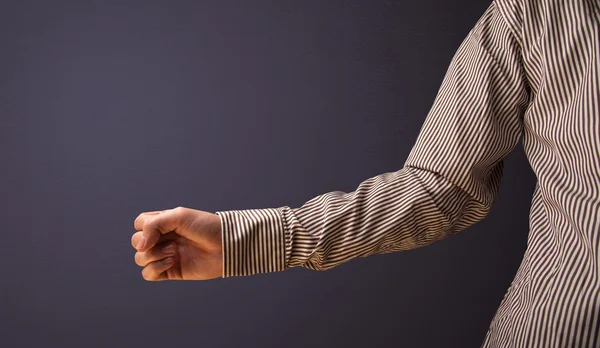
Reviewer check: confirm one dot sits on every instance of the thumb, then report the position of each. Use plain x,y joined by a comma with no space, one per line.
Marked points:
156,225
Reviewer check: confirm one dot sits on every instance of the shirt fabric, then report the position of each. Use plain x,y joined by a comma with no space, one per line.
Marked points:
528,70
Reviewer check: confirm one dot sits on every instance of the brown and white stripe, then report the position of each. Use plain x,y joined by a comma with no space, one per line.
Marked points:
528,70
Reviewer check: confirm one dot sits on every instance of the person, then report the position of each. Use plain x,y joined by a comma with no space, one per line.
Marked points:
528,69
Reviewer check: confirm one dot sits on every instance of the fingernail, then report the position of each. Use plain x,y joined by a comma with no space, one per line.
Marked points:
141,243
167,249
168,260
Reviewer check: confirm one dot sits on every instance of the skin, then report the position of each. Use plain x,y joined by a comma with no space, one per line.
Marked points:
178,244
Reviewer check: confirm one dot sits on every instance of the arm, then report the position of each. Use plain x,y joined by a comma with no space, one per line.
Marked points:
448,182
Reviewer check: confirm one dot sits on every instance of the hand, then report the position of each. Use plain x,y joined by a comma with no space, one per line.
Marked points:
178,244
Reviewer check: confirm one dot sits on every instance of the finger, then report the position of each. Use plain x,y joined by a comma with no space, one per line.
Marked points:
158,252
154,270
159,224
138,223
136,237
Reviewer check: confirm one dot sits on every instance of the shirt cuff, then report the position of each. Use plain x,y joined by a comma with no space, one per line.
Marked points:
254,241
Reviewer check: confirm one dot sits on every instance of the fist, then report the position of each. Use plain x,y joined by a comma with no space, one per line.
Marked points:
178,244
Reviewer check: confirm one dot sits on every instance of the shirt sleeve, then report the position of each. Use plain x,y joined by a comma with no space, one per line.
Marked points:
448,182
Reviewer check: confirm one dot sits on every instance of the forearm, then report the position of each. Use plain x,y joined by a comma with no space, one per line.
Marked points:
390,212
395,211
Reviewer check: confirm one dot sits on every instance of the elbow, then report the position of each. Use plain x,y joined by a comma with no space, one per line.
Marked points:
473,211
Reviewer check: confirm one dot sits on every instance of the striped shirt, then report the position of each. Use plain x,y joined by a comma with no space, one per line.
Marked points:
528,70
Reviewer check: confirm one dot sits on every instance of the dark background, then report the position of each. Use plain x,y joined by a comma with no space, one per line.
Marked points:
112,108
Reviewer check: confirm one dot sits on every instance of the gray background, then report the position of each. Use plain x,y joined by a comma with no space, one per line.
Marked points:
111,108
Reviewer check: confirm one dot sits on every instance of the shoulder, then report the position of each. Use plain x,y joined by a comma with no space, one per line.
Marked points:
512,12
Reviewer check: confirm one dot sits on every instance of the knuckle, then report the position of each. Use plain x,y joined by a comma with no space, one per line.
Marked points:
149,224
138,259
182,210
179,214
137,220
146,273
134,238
